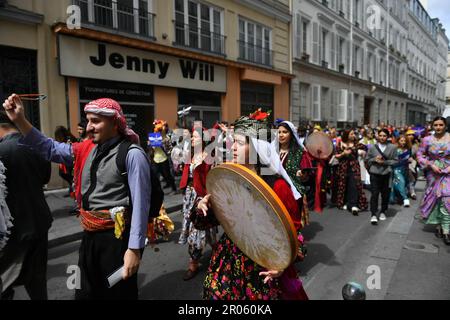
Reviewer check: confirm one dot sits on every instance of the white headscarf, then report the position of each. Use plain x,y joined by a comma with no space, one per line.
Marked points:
269,156
294,132
275,146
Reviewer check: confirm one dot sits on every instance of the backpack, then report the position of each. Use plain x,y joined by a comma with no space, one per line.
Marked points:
157,194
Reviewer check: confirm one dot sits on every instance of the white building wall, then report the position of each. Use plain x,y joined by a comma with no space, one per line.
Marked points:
341,34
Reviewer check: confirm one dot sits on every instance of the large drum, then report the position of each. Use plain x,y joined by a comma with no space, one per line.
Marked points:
319,145
253,216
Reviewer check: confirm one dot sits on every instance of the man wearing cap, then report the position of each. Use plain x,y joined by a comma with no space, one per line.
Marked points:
23,261
114,230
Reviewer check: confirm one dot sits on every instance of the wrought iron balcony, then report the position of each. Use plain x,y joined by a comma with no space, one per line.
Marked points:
256,54
197,38
111,14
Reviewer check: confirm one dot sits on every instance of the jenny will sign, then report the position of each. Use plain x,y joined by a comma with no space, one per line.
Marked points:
89,59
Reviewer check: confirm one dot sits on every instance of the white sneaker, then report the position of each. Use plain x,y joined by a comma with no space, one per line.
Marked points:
382,216
344,207
406,203
355,211
374,220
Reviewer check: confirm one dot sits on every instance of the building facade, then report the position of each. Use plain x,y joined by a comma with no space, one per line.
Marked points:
366,62
222,58
442,64
447,90
350,62
427,47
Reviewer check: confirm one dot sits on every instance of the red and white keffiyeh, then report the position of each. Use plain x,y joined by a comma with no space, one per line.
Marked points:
111,108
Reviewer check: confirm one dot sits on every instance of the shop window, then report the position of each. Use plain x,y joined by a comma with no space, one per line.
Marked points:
18,74
136,100
205,107
255,96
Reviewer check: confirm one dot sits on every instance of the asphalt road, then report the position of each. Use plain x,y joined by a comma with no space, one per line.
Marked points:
341,248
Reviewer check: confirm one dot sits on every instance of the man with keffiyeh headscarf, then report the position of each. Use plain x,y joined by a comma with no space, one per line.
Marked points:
114,230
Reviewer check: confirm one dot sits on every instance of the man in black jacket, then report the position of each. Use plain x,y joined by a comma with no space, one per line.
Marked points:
24,259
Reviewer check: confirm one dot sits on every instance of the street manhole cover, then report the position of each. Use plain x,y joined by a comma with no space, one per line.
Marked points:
421,246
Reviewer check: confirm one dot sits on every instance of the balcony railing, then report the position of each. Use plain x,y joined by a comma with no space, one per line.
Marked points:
113,15
256,54
196,38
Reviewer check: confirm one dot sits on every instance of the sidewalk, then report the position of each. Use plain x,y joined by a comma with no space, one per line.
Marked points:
410,261
67,228
422,269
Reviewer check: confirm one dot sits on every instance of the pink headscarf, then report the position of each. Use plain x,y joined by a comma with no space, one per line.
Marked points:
111,108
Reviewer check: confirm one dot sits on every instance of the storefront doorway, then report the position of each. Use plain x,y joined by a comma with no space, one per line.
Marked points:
205,106
254,96
136,100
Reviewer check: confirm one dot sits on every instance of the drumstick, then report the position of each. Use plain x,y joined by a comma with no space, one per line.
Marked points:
33,96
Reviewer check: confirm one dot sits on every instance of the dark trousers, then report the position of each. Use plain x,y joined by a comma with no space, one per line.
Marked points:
101,254
351,192
379,184
163,169
33,274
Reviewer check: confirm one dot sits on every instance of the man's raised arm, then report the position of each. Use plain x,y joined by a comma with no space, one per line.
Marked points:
46,147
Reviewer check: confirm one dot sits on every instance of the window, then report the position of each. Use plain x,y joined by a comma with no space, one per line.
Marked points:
255,94
298,36
341,51
383,72
315,43
357,12
304,100
316,101
371,68
255,42
324,47
342,105
357,59
305,30
350,109
131,16
199,26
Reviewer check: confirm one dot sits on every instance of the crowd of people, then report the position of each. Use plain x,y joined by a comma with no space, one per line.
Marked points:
114,206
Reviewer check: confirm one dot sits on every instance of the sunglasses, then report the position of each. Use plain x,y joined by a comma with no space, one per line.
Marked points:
33,97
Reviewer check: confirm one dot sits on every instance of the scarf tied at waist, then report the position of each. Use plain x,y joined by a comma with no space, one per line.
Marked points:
100,220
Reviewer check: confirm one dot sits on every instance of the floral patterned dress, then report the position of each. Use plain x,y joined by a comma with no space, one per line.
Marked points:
196,239
232,275
350,164
435,207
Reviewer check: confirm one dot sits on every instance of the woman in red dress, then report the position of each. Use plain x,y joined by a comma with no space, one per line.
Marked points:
231,274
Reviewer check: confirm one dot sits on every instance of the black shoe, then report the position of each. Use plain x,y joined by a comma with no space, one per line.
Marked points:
446,239
438,233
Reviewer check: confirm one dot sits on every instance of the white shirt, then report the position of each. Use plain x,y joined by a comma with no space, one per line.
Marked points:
382,147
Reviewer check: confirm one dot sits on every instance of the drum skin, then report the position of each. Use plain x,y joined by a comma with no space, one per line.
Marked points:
319,145
252,215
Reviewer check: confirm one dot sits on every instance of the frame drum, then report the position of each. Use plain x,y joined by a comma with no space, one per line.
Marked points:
319,145
252,215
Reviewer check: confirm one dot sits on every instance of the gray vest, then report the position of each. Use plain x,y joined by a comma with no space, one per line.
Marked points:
110,191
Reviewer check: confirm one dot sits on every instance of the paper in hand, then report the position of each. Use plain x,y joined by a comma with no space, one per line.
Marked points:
115,277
